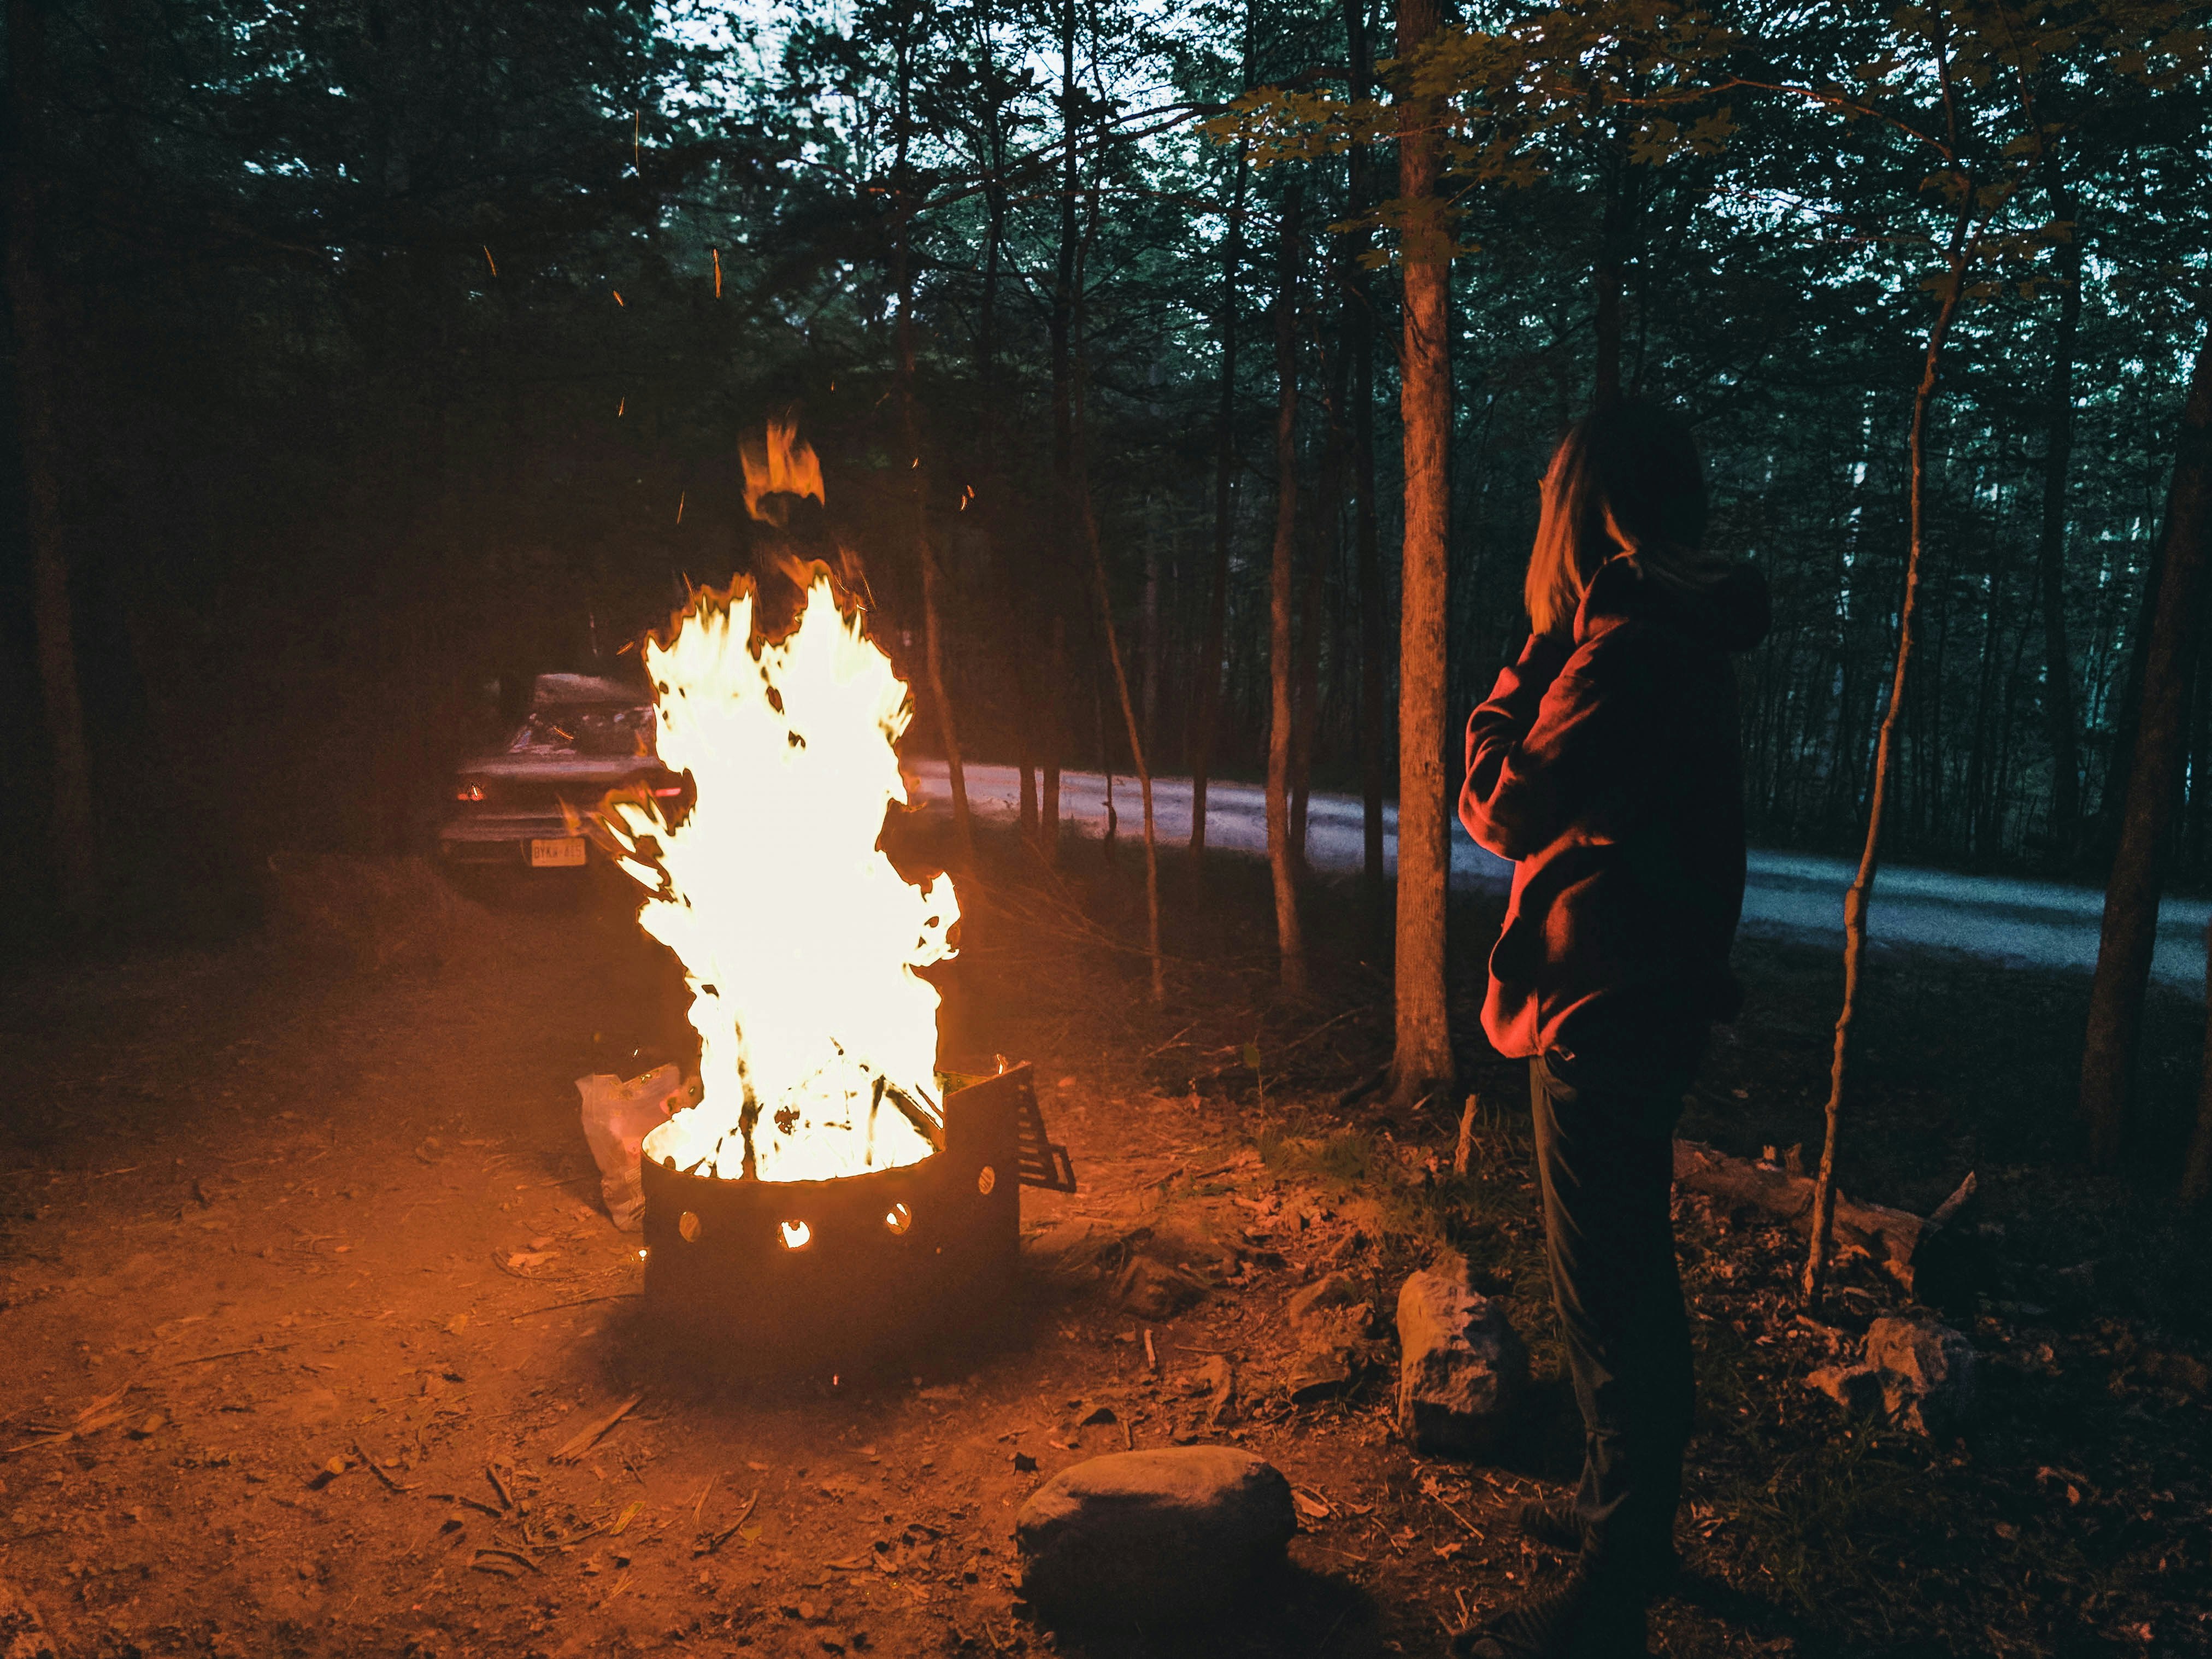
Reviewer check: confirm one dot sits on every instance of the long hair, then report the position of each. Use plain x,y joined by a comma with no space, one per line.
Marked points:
1637,461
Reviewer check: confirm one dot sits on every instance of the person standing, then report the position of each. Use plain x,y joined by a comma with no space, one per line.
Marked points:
1606,763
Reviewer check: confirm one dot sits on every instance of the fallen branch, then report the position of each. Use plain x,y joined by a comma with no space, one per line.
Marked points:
1366,1086
1892,1237
729,1532
230,1353
581,1301
587,1437
377,1469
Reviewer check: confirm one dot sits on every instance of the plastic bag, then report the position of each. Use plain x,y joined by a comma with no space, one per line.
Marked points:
618,1117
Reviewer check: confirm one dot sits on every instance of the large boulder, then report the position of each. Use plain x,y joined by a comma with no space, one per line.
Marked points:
1462,1367
1153,1537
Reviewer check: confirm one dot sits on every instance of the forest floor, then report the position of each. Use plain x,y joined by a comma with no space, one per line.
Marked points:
304,1281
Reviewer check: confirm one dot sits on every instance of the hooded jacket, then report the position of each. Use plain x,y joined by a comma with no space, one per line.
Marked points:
1608,767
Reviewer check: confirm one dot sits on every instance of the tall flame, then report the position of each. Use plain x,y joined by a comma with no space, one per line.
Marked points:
798,938
782,464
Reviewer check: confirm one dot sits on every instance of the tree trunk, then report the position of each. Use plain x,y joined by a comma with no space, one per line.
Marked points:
964,834
1215,648
1422,1062
1306,728
1150,645
30,298
1137,756
991,501
2130,924
1063,440
1605,277
2197,1173
2050,552
917,504
1290,945
1862,887
1055,724
1374,599
1321,540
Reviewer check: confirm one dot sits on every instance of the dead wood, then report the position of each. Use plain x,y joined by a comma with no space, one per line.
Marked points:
589,1435
1894,1239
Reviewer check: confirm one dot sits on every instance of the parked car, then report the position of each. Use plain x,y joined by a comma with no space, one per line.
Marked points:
582,737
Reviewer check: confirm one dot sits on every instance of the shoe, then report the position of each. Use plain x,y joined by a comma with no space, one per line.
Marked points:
1558,1526
1584,1619
1555,1525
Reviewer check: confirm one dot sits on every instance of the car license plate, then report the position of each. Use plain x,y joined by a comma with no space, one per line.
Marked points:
557,852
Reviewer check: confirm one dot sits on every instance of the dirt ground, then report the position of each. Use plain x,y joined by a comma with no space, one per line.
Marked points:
305,1288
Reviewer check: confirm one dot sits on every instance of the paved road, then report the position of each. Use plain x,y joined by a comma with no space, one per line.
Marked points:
1789,895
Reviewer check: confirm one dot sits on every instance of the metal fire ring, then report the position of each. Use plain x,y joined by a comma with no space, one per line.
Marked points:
782,1274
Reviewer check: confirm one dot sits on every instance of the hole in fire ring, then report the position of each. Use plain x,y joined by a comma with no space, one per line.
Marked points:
898,1219
796,1234
986,1178
686,1227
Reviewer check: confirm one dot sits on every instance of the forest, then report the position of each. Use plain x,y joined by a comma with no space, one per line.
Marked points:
1182,377
391,349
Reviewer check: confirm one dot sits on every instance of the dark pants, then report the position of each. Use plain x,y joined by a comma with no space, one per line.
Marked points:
1605,1163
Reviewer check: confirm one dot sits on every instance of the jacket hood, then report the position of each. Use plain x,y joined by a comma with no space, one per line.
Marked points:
1727,609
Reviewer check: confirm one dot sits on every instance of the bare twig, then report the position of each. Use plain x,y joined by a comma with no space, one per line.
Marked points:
231,1353
731,1531
581,1301
587,1437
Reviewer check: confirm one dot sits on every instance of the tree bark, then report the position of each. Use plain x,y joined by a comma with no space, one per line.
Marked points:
1605,276
1136,754
1150,645
1215,646
1857,896
1422,1060
1289,942
917,504
964,834
2197,1173
2130,924
1305,690
1374,599
31,300
2051,550
991,500
1056,722
1063,440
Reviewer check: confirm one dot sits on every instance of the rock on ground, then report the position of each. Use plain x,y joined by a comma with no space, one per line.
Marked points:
1855,1388
1330,1323
1152,1290
1336,1289
1152,1537
1461,1366
1918,1374
1927,1380
22,1637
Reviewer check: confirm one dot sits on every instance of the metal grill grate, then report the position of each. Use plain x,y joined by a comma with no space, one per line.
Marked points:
1042,1162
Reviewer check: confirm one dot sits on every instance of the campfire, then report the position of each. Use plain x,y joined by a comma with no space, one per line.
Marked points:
823,1184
